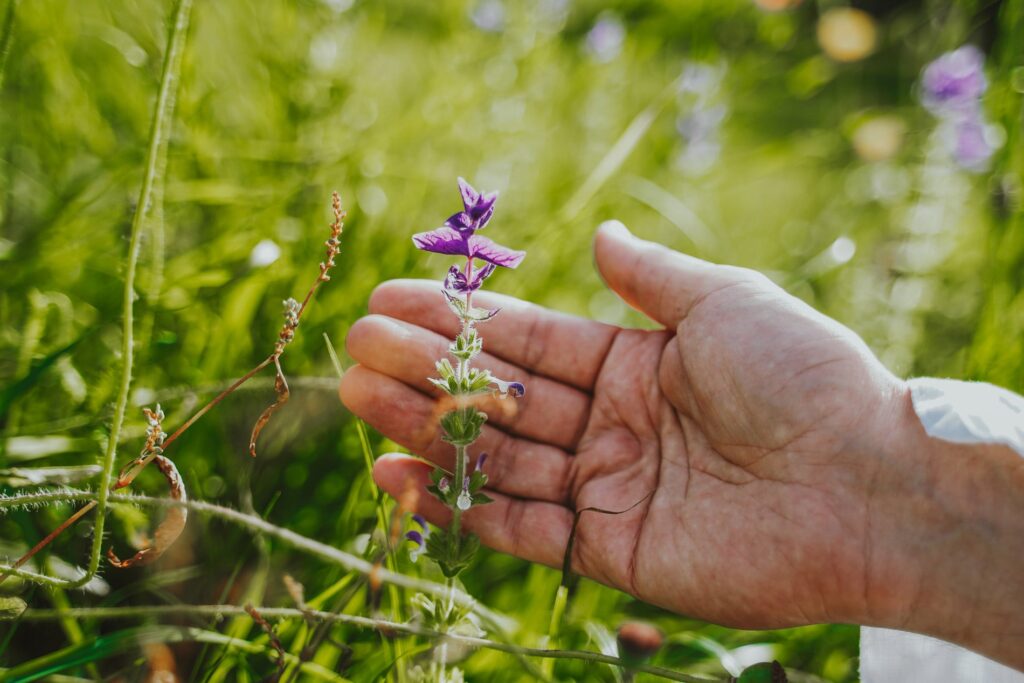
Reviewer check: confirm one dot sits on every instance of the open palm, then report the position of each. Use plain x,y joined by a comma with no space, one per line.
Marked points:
744,430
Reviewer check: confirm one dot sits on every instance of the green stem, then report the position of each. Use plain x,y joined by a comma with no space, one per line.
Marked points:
130,640
258,525
159,133
460,476
555,625
6,34
354,620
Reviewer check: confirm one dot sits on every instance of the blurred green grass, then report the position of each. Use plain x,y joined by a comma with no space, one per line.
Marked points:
283,101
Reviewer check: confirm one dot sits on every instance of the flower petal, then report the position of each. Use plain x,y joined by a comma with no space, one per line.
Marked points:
442,241
461,221
487,250
482,211
469,195
480,275
455,280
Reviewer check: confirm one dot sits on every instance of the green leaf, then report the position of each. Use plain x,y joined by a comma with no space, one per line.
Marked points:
477,382
462,426
764,672
443,385
481,499
466,346
477,481
12,391
445,369
482,315
468,549
455,303
11,607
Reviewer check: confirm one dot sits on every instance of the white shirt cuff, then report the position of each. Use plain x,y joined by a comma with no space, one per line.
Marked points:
961,412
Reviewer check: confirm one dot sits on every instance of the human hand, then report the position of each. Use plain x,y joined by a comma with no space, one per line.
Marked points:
771,442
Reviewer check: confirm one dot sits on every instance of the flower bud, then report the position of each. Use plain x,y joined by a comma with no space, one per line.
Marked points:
638,641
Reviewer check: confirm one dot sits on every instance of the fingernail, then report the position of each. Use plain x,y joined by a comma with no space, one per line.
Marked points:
615,227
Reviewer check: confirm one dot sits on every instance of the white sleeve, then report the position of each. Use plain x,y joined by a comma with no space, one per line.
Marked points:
962,412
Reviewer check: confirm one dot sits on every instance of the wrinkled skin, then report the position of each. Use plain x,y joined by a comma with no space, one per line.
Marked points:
760,437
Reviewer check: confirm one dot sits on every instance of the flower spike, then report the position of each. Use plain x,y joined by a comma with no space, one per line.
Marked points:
462,489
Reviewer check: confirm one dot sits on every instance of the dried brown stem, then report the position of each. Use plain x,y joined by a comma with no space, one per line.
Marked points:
275,643
283,394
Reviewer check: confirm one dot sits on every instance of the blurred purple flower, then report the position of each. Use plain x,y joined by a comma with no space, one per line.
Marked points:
956,80
952,86
701,79
489,15
702,122
480,462
605,39
969,144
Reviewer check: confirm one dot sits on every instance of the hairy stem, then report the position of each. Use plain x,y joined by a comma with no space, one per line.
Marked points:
261,526
460,476
354,620
155,157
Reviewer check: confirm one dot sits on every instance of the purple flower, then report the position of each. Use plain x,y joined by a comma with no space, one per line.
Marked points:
604,41
952,88
480,462
456,279
969,144
454,242
457,237
955,80
418,538
478,207
513,389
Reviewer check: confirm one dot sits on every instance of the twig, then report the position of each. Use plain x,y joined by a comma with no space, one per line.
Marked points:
354,620
275,642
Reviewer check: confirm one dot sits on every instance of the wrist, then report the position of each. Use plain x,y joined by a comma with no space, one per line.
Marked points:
944,534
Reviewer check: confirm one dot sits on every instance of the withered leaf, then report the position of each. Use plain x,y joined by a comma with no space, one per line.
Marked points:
171,526
283,394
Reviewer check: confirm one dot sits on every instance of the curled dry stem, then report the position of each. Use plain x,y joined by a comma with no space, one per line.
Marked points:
171,526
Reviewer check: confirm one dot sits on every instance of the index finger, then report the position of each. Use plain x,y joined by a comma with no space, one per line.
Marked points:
557,345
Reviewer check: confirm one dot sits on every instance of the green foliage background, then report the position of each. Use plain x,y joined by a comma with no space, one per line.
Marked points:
282,101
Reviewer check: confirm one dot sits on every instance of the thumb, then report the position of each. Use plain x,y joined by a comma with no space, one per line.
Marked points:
653,279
